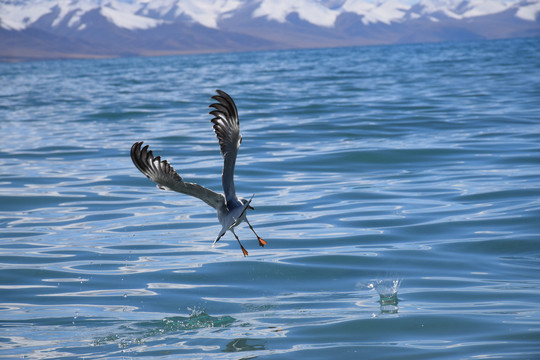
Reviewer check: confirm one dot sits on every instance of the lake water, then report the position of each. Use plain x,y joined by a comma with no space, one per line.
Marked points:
411,169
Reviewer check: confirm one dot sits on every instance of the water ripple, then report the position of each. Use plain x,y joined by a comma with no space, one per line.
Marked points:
397,188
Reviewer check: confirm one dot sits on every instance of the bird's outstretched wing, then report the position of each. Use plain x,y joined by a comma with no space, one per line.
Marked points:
163,174
227,128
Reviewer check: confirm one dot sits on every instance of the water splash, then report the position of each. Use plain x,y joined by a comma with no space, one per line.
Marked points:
198,319
388,294
138,333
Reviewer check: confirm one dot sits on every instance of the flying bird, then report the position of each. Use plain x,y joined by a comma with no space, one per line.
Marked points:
231,209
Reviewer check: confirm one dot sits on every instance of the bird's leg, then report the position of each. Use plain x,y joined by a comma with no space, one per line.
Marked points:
243,250
261,241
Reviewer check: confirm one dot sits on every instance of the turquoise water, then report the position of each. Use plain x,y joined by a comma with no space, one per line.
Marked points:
398,189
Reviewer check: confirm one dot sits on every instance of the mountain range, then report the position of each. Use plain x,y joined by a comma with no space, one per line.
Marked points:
49,29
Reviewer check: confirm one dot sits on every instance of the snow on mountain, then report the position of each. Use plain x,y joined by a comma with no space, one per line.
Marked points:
122,15
19,15
483,7
204,12
65,8
529,11
207,13
311,11
145,14
136,14
359,7
383,11
31,29
459,9
434,7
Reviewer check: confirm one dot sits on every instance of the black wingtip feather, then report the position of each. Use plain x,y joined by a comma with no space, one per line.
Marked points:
225,105
144,160
136,156
225,112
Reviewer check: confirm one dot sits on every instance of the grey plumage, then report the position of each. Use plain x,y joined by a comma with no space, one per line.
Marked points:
231,210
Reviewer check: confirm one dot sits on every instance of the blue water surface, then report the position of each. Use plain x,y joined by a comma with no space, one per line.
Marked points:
398,188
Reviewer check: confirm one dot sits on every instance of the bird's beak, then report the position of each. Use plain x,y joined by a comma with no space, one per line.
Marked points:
251,207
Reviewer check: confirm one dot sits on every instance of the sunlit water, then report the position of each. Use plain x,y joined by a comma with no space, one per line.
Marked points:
398,189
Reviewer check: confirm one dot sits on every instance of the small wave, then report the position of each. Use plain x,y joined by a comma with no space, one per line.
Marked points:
141,332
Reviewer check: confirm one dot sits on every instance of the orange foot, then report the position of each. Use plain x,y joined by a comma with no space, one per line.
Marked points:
261,242
244,251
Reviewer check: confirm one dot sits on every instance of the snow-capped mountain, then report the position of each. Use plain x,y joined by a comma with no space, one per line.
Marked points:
81,28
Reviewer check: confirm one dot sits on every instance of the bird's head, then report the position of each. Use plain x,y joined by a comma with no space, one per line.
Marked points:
246,201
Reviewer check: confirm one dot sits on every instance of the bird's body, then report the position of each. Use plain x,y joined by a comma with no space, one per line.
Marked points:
231,210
